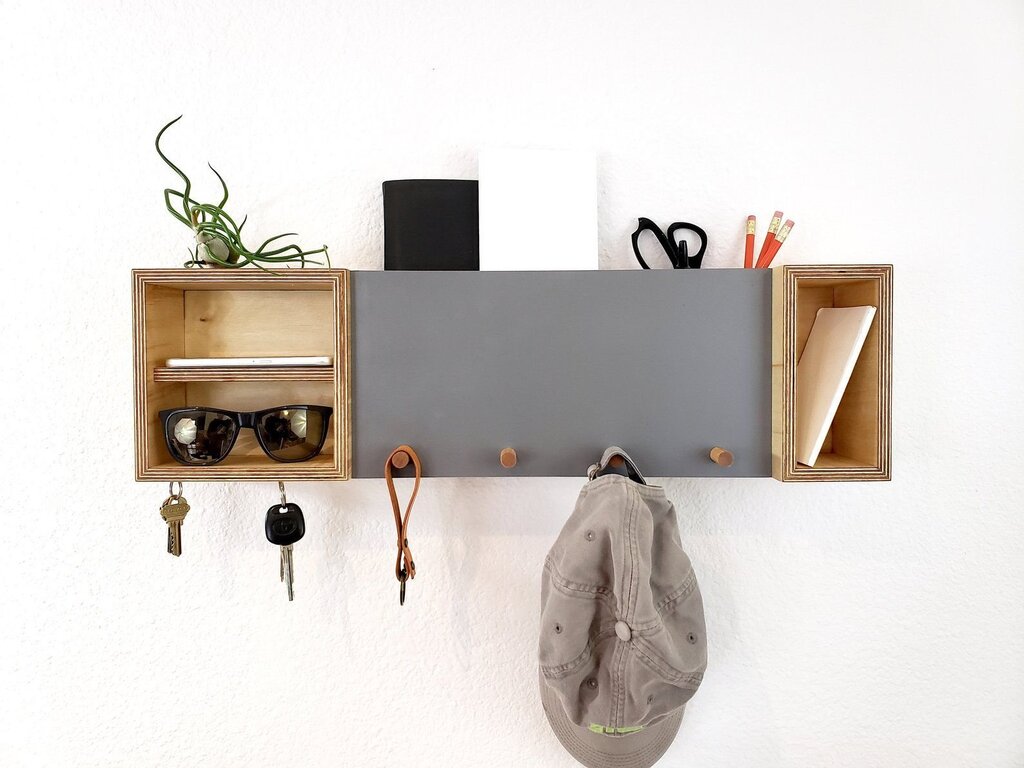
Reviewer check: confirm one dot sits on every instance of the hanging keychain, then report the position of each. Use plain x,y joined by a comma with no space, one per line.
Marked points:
173,511
405,568
284,526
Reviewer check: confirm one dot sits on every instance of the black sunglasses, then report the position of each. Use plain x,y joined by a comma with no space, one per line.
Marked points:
202,436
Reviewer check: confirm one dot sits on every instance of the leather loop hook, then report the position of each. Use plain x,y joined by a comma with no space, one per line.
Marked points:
405,567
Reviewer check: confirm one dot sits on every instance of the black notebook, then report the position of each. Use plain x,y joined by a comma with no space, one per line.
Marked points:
431,224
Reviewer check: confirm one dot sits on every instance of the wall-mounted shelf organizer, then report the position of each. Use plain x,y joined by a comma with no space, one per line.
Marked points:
516,373
235,313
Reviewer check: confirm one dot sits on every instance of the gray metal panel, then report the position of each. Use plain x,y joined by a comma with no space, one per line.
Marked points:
560,365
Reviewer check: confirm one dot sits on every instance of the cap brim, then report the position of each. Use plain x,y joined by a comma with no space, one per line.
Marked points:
595,750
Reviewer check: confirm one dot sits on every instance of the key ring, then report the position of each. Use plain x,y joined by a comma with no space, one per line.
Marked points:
284,499
172,496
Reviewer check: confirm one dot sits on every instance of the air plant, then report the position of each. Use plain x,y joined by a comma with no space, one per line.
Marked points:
218,237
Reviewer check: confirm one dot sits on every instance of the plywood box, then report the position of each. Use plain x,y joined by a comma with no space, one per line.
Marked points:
859,443
227,313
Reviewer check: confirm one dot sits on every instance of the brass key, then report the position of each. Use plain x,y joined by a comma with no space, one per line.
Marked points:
173,511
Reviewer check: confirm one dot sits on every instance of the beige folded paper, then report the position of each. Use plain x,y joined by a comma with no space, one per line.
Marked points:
823,372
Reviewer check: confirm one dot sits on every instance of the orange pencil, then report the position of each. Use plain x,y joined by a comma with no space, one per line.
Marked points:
783,234
748,251
770,237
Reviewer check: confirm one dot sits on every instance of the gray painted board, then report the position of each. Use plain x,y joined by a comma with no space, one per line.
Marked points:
560,365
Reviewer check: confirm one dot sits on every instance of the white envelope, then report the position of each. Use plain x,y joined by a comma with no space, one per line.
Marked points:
538,209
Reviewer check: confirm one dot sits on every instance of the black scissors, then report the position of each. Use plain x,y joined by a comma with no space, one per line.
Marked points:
677,252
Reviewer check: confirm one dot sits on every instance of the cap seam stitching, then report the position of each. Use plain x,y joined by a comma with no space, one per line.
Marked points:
634,555
580,591
648,627
620,697
633,593
684,590
653,660
559,671
575,585
623,595
628,581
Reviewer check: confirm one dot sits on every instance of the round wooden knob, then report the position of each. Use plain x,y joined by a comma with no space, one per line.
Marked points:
508,457
616,462
400,460
721,457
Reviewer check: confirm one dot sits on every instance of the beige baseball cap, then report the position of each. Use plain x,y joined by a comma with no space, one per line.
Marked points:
622,637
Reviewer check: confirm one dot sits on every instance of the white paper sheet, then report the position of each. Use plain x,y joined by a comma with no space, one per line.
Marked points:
538,209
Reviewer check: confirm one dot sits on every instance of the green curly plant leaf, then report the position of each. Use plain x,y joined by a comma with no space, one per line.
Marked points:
211,223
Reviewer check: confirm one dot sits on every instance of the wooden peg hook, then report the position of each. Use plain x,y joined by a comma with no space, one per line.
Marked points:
400,460
508,457
721,457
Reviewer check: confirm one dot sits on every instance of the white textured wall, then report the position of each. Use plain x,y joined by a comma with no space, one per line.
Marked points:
850,625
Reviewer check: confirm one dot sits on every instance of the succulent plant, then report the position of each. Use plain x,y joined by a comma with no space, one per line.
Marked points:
218,237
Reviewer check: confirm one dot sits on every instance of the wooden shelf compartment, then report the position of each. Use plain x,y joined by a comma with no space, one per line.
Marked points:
859,443
229,313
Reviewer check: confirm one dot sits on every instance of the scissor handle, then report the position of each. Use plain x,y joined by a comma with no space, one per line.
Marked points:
645,224
691,262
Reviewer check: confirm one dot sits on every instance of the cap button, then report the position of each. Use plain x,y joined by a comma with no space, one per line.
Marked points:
622,631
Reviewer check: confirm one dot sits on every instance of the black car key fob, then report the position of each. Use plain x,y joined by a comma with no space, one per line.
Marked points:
285,524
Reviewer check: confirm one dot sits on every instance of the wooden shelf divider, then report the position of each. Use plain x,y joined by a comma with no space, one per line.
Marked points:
255,373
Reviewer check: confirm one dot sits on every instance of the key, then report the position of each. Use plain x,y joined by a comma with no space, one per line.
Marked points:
173,512
284,526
